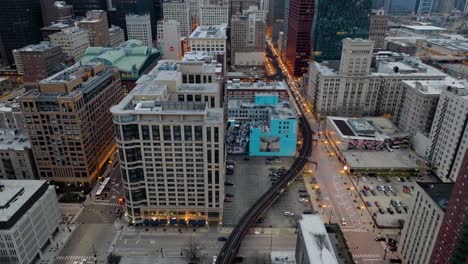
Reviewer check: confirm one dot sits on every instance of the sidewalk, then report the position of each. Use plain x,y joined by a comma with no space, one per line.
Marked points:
57,243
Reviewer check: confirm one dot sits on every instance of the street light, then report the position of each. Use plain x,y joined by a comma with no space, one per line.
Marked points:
345,168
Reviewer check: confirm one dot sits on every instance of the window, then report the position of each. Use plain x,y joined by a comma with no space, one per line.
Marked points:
188,133
198,133
145,134
156,135
177,133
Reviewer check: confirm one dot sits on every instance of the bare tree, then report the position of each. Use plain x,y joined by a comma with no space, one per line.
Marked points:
194,249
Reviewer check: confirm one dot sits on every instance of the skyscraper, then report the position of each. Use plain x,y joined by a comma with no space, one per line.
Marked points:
53,11
336,20
378,27
20,24
297,53
139,27
80,7
96,24
276,17
424,7
400,6
179,11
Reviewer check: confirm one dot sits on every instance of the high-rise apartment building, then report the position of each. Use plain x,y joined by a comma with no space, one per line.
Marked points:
169,38
179,11
139,27
378,26
248,39
170,136
297,51
25,15
334,92
212,15
116,36
336,20
30,216
40,61
69,124
96,24
424,7
53,11
450,245
73,40
449,133
423,222
356,57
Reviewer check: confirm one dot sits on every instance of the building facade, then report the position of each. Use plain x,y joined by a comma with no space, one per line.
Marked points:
96,24
139,27
40,61
248,39
378,27
449,133
213,15
450,245
424,7
73,40
335,21
276,18
170,39
26,16
53,11
423,222
179,11
29,217
298,36
116,36
69,124
211,39
171,151
80,7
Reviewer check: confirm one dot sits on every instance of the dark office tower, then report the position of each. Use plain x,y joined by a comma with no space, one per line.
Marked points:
451,245
336,20
80,7
301,14
276,17
238,5
120,8
54,11
400,6
20,24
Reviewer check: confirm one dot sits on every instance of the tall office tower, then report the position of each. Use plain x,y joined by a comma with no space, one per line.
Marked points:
424,7
116,36
169,38
212,15
237,6
297,52
194,11
449,133
424,221
139,27
80,7
443,6
378,27
96,24
20,24
121,8
336,20
276,18
69,123
356,57
248,39
171,145
283,44
53,11
399,6
74,41
450,245
40,61
179,11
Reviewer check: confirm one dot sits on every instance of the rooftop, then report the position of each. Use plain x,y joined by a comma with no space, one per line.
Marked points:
317,242
435,87
129,57
398,159
259,85
43,46
282,110
452,44
15,194
424,28
218,31
439,192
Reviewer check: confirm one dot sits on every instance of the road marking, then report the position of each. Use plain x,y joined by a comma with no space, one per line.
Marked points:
73,257
106,204
367,256
354,230
114,241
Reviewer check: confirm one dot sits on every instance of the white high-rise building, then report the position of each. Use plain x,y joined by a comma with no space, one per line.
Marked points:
74,41
449,133
356,56
170,135
29,217
212,15
179,11
139,27
116,36
168,36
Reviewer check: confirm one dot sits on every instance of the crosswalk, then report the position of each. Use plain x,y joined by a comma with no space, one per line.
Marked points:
367,256
74,257
114,241
106,204
354,230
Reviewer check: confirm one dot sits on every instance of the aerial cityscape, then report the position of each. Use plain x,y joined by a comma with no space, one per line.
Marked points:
233,131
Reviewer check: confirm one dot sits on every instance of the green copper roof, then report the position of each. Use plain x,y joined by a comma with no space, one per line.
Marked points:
130,56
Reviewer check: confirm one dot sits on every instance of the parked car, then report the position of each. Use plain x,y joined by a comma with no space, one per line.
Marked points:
302,190
390,210
373,192
229,195
377,204
365,187
381,210
398,210
387,179
304,200
226,200
402,179
368,204
379,178
260,220
386,193
246,158
364,193
228,183
307,212
222,238
409,179
288,213
398,179
304,195
380,238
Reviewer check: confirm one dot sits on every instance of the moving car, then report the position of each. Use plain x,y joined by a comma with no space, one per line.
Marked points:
343,222
222,238
288,213
380,238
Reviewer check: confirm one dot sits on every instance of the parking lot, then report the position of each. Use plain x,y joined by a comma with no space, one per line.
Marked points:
378,194
250,180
